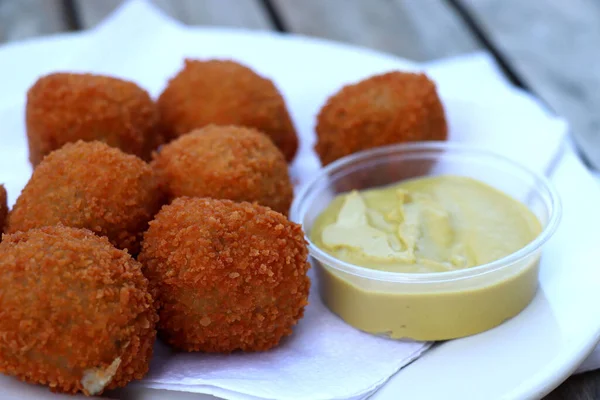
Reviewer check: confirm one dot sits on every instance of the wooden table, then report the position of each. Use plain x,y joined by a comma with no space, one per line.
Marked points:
549,47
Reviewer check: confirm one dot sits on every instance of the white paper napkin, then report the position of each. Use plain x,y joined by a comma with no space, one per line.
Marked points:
324,358
42,57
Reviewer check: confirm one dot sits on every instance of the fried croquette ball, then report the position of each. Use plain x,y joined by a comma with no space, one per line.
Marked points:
75,312
228,276
225,162
90,185
63,108
385,109
225,93
3,209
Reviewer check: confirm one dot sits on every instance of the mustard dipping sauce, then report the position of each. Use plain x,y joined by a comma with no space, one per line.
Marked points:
427,225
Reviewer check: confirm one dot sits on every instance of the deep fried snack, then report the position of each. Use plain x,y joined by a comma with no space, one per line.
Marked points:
3,209
228,276
385,109
225,162
63,108
225,93
76,313
90,185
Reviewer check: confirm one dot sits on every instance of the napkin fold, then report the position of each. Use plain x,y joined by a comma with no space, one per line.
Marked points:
324,358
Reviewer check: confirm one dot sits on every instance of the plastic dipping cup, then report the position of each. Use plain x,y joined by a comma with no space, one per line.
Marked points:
428,306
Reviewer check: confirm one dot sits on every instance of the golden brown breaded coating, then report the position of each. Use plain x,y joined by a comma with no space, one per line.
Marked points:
64,108
3,209
75,312
385,109
225,93
90,185
225,162
228,276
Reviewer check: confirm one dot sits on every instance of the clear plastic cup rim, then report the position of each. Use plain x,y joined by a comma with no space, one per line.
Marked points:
298,209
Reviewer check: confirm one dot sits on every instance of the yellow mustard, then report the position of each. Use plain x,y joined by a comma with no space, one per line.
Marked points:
427,225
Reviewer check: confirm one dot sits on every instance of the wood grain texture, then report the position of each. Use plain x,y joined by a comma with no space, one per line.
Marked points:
579,387
92,12
239,13
21,19
555,46
417,30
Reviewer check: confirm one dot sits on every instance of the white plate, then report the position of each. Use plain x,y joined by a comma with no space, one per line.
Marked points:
524,358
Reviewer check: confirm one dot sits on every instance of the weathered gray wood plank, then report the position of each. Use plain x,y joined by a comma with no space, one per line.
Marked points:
554,46
418,30
579,387
21,19
238,13
92,12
